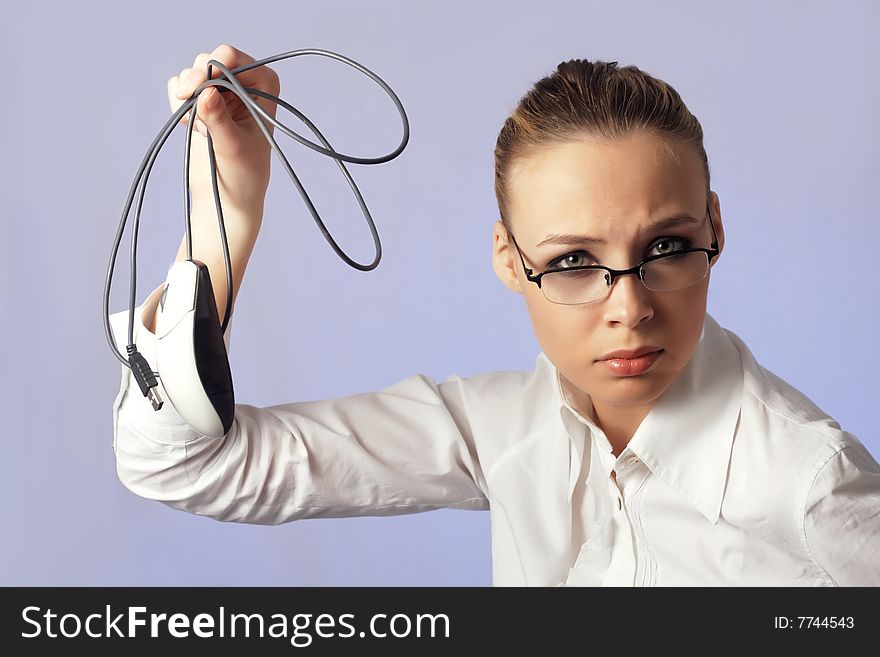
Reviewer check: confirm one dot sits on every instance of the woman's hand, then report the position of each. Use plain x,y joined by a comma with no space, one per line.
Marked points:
241,150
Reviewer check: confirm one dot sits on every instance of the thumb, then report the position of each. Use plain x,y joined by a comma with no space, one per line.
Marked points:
214,114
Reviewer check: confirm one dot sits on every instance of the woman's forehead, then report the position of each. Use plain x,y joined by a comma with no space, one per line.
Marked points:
618,187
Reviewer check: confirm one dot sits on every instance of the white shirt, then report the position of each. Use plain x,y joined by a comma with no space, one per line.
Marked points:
733,478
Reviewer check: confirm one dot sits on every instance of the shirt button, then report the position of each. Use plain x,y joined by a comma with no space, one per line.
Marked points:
619,504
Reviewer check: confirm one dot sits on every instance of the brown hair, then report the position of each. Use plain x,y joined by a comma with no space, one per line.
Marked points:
583,99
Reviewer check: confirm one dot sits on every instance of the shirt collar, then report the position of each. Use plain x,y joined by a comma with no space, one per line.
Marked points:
687,436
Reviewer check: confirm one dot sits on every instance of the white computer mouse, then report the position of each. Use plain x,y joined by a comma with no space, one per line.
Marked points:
191,356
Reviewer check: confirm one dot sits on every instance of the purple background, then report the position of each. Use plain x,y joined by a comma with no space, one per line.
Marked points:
787,93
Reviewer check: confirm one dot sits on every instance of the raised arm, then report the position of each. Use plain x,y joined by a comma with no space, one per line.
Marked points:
404,449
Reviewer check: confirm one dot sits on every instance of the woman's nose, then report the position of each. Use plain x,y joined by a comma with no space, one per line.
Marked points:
629,301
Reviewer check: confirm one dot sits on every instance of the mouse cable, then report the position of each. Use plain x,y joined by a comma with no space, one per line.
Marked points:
227,82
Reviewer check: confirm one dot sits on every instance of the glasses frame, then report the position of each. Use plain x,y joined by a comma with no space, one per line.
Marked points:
635,270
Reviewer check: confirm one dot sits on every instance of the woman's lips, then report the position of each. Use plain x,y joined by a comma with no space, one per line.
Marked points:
631,366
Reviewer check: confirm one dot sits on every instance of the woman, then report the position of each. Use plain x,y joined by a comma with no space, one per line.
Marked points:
681,461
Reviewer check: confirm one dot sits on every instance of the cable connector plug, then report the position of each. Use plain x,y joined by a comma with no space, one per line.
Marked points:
144,375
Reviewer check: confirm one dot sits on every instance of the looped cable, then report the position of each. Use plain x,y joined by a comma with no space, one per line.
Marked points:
227,82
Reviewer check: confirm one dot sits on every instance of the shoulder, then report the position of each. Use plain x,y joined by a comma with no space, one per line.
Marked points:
783,441
526,394
792,460
504,407
780,415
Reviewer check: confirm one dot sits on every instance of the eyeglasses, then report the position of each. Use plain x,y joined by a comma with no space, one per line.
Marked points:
591,283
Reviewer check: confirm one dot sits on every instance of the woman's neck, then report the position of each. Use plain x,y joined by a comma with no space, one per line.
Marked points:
619,423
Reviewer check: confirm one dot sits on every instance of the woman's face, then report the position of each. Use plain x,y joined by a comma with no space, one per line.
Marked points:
611,191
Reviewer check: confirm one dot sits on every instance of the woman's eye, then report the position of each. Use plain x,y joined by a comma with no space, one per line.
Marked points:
663,244
576,259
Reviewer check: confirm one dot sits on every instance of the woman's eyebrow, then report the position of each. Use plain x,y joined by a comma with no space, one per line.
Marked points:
573,239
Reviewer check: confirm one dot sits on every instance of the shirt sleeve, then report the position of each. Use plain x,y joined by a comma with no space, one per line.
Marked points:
842,517
404,449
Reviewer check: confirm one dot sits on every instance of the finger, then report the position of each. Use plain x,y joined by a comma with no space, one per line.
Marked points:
261,77
213,112
227,55
174,99
194,76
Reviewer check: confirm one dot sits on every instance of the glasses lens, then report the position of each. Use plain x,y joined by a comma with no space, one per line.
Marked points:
572,287
673,272
676,271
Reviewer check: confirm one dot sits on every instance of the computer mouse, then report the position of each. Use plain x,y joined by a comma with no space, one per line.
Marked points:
191,356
